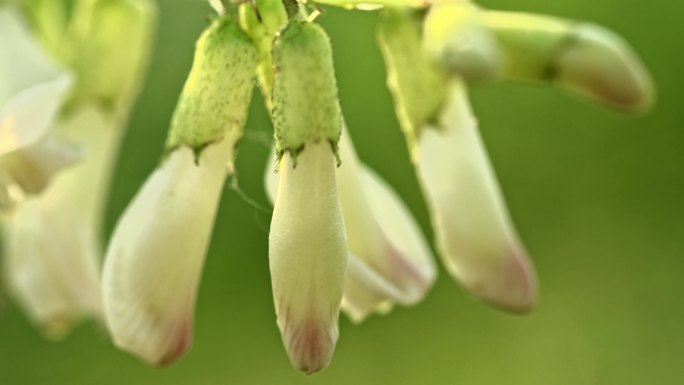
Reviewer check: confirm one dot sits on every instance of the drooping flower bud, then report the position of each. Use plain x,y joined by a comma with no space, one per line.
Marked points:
390,261
308,256
474,235
307,245
583,58
473,231
155,257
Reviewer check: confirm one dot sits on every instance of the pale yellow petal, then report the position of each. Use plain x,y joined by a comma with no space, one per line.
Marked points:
155,257
308,256
473,231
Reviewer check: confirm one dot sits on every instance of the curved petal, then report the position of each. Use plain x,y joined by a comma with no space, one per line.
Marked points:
29,170
32,86
51,266
391,262
366,291
473,231
308,256
155,257
31,113
53,240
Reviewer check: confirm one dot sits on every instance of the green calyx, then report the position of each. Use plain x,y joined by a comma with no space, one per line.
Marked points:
305,102
418,85
216,95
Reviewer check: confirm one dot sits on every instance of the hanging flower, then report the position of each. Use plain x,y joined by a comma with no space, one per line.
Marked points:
340,238
155,257
389,261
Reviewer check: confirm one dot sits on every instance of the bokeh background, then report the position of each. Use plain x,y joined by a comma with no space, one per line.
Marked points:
598,197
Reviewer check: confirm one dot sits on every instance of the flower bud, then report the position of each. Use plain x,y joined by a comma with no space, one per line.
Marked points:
583,58
455,36
155,257
390,261
307,244
473,231
586,59
308,256
601,66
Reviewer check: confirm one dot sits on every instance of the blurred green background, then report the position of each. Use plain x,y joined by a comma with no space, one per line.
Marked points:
597,197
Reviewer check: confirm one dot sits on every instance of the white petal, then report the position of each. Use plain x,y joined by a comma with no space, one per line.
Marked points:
32,86
31,113
51,267
473,231
31,168
53,240
382,232
366,291
155,257
382,236
308,256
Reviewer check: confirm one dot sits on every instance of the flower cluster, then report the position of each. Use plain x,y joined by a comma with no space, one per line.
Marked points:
340,237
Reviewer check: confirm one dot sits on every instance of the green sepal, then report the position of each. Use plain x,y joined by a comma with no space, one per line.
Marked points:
306,106
417,84
217,93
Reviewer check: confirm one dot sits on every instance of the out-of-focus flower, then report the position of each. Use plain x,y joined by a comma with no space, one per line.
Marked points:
583,58
53,230
53,240
155,257
33,88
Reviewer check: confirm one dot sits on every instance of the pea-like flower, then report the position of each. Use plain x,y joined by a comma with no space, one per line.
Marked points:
389,260
155,257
